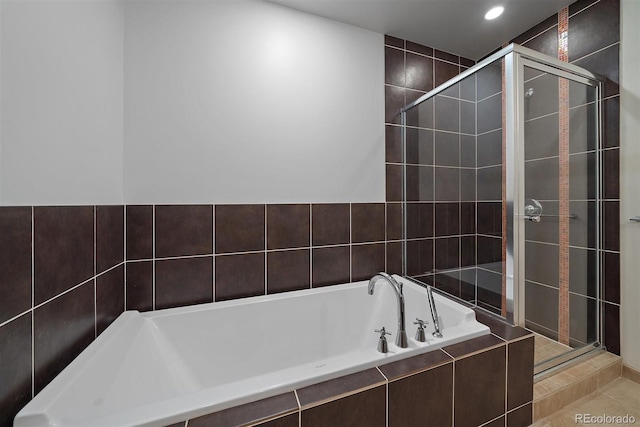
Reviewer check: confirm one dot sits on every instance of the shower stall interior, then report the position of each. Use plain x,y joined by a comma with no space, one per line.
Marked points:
502,194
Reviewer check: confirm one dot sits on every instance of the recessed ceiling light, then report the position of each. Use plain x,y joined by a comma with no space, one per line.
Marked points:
493,13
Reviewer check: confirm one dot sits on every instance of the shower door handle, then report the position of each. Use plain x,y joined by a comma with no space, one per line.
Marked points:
635,219
533,210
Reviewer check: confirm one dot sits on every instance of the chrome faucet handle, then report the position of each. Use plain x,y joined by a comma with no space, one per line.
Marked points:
383,347
382,332
420,335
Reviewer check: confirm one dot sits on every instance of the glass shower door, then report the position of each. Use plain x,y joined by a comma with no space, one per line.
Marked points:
561,193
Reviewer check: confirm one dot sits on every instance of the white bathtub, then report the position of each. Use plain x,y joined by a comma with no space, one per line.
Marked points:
166,366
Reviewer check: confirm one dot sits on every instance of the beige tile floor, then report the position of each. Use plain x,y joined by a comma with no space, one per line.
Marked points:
618,398
546,348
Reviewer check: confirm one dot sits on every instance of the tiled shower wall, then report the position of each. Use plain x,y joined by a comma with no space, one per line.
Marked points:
444,242
593,42
63,269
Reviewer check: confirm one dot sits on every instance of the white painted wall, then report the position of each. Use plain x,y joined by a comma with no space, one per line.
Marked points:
61,102
248,102
629,180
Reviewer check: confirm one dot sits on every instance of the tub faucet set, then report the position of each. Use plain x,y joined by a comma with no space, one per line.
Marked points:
401,338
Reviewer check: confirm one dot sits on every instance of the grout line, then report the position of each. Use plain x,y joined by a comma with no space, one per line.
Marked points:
153,254
310,243
213,249
594,52
33,278
265,250
95,281
63,293
124,252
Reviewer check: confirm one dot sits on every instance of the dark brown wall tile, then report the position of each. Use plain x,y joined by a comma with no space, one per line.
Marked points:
287,226
419,72
394,221
539,28
612,328
393,144
498,422
331,224
333,389
446,56
447,149
605,63
414,365
184,281
239,228
62,329
546,42
479,388
611,277
367,222
420,220
447,184
184,230
288,271
394,100
367,260
489,148
249,413
611,119
15,369
521,417
594,28
393,41
331,266
393,183
419,146
412,401
444,71
394,258
109,297
109,237
419,256
447,252
139,231
520,373
446,114
139,285
239,276
393,66
364,409
490,218
418,48
15,261
447,219
612,226
611,174
63,249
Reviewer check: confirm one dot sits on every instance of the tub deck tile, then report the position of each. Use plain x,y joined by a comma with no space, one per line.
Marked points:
340,387
467,348
250,413
501,328
414,365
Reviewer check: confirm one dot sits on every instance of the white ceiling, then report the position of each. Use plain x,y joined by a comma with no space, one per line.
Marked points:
456,26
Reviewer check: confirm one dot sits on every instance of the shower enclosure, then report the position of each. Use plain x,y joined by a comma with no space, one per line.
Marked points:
502,196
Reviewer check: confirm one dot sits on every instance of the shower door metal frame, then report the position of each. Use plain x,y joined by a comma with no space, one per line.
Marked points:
518,235
516,57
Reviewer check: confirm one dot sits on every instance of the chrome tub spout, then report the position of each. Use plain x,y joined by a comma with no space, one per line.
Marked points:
401,338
